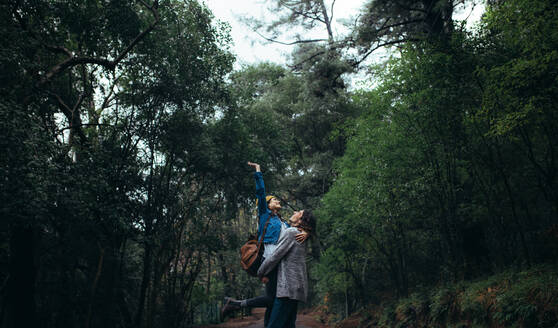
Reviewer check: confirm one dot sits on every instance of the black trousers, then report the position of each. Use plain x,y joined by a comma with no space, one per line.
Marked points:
284,313
268,298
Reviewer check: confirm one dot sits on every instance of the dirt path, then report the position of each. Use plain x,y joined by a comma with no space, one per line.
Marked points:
303,320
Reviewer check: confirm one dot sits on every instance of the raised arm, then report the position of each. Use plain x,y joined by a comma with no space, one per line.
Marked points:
255,166
260,188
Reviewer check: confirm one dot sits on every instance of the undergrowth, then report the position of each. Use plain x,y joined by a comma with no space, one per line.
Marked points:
525,299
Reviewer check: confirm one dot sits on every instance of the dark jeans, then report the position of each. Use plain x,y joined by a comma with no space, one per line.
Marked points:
266,300
284,313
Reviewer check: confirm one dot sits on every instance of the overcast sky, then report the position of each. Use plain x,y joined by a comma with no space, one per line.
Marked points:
248,45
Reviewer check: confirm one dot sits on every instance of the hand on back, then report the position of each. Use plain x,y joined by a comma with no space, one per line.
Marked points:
301,237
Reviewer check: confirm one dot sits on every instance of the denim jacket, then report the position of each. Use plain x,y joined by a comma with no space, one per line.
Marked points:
274,226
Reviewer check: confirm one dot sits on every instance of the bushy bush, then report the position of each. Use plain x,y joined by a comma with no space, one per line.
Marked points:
530,296
444,307
388,315
524,299
412,310
478,298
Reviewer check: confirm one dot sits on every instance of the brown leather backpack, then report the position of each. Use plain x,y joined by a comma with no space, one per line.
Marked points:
251,253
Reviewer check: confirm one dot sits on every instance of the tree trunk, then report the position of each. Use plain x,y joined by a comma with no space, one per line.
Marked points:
327,23
21,307
94,287
519,226
144,284
208,286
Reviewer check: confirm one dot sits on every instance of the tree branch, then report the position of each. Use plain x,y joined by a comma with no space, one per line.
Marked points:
109,64
388,43
84,124
110,97
290,43
59,49
140,36
335,45
412,21
69,113
303,14
402,6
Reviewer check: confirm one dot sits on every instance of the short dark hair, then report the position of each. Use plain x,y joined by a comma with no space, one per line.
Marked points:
308,222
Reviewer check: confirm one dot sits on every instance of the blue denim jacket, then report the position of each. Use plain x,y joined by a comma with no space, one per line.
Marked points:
274,226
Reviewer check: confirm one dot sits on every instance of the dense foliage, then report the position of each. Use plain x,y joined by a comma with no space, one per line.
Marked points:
125,132
108,188
449,174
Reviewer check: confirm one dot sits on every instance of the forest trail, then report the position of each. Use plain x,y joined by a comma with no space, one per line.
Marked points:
304,319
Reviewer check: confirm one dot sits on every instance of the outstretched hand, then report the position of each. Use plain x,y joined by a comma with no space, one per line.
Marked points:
255,166
301,237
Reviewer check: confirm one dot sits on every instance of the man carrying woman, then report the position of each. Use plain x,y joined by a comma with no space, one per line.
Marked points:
268,209
289,262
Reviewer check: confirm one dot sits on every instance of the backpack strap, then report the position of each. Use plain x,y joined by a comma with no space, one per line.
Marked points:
263,232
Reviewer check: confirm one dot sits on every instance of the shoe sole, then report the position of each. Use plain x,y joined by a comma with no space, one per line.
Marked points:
221,316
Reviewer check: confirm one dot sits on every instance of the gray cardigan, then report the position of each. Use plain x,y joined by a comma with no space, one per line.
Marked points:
290,255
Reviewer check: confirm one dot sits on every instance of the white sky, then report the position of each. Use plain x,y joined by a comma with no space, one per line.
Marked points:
250,48
248,45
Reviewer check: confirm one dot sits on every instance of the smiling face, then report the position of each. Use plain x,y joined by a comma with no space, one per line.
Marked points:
274,204
296,218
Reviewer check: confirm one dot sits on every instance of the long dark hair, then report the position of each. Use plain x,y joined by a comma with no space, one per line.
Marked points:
308,222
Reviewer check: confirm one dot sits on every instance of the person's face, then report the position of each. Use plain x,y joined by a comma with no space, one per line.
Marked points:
295,220
274,204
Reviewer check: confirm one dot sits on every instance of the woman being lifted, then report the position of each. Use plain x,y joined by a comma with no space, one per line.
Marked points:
268,208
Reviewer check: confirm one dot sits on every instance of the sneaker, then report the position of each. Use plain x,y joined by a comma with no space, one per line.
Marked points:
231,305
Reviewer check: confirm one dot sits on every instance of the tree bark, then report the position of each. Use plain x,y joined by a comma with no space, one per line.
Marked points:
144,284
21,307
94,287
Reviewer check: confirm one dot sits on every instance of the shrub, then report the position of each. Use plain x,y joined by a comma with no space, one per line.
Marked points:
445,308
